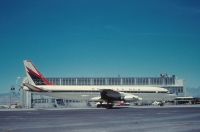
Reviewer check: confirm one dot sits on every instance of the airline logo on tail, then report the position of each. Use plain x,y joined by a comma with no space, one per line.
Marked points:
34,76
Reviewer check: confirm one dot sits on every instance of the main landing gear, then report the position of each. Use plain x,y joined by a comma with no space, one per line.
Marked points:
107,105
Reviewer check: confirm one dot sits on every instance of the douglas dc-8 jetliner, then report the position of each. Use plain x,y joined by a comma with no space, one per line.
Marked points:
105,95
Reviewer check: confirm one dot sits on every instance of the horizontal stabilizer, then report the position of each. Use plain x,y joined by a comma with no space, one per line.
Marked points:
33,88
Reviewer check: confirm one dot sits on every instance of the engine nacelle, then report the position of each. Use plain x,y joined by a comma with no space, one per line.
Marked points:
130,97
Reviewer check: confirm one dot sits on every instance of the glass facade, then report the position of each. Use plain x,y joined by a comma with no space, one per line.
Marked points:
154,81
165,81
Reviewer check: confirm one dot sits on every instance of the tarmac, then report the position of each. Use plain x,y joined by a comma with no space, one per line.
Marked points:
139,119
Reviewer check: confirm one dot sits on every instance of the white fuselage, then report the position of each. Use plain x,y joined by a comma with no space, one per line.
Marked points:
80,92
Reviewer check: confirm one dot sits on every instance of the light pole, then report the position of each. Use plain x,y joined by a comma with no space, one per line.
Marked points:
12,89
20,93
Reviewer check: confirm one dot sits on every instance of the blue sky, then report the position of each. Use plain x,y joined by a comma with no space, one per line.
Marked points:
100,38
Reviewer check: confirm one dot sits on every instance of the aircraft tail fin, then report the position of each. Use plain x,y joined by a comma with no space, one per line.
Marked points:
34,76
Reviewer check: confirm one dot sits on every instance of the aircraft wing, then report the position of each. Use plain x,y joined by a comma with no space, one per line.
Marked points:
110,95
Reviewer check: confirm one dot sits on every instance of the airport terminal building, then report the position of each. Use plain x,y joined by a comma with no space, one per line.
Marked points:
171,83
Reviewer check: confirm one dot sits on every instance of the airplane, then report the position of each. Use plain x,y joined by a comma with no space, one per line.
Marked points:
105,95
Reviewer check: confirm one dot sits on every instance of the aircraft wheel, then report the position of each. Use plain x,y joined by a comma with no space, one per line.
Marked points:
109,106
